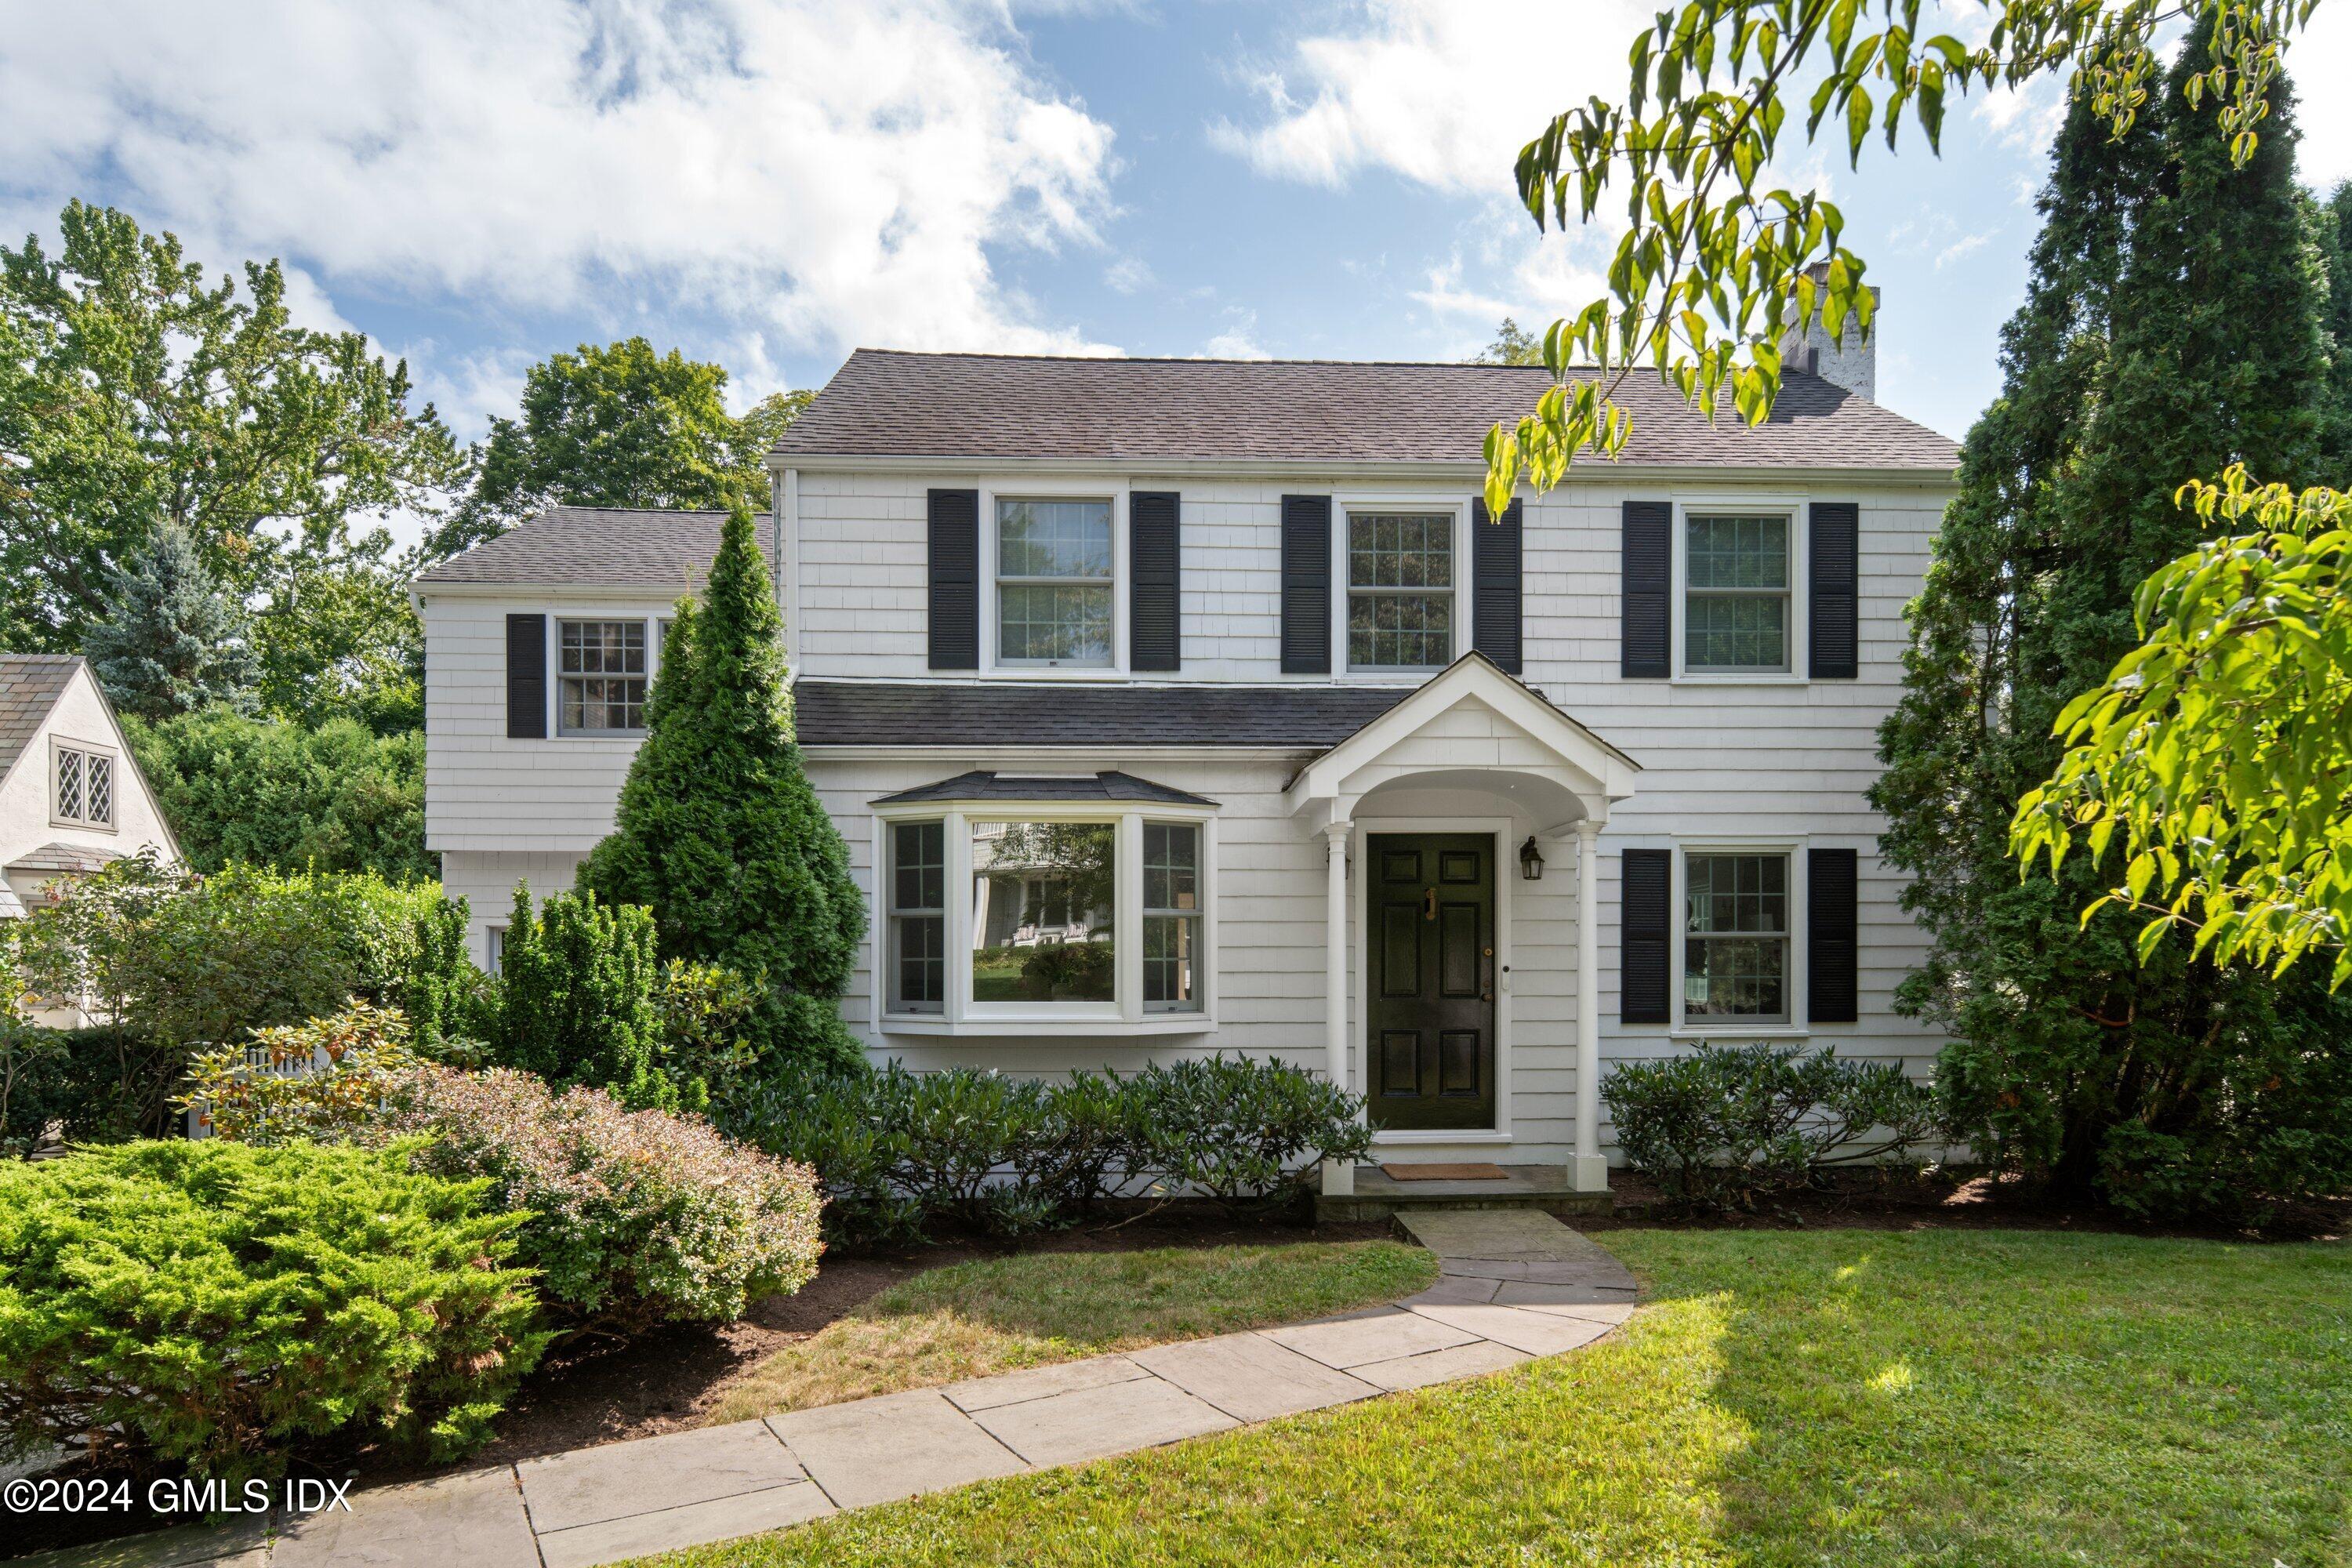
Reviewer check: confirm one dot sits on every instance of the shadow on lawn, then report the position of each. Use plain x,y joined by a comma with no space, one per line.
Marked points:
2020,1397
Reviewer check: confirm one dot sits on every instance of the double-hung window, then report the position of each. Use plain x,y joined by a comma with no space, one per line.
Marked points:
1735,600
1736,937
1054,576
1400,590
919,922
602,677
1172,917
84,787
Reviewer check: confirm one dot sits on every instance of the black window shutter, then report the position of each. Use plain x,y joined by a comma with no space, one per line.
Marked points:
527,678
1496,555
955,579
1155,634
1307,584
1835,528
1647,617
1832,931
1645,922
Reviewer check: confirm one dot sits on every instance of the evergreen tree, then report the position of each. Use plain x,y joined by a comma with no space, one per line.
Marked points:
718,830
171,641
2126,368
574,1002
2331,222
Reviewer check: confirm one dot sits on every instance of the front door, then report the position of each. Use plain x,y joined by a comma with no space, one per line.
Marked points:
1432,922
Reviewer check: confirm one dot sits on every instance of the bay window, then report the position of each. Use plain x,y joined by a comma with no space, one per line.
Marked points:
1005,918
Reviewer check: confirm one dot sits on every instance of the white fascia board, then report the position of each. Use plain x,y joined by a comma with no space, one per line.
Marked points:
1684,474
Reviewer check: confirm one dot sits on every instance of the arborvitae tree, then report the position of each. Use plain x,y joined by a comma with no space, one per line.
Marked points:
574,1002
718,830
171,641
2159,274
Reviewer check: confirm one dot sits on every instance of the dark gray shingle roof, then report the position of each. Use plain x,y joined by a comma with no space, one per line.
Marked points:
1108,785
883,403
599,547
906,714
30,684
64,857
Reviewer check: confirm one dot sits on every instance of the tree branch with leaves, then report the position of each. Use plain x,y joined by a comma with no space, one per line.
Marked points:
1717,266
2218,755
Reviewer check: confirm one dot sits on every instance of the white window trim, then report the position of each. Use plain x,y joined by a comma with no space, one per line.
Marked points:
1342,503
1717,504
1503,829
554,620
1125,1015
494,944
1020,488
1798,1027
113,823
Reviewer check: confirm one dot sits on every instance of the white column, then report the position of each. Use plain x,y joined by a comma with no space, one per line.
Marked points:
1339,1177
1588,1173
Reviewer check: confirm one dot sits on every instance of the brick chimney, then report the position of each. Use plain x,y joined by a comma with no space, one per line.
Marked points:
1854,366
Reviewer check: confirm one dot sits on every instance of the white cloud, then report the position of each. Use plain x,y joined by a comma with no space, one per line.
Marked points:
2319,61
1127,275
829,174
1445,92
1238,341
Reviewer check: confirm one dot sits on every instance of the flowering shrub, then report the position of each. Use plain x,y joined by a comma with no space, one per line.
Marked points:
635,1217
324,1078
212,1304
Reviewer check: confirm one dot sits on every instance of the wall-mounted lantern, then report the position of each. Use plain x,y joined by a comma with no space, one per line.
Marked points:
1531,860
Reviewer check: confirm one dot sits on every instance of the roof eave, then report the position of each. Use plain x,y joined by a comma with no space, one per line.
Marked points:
1914,476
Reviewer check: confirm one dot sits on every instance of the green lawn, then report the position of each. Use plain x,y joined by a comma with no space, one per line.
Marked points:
972,1319
1969,1399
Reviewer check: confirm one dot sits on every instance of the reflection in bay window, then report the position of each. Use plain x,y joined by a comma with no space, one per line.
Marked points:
1172,917
1041,894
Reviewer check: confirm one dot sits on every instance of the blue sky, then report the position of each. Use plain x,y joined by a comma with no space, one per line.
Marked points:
770,183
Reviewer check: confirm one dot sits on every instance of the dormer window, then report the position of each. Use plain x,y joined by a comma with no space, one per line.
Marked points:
84,787
1053,575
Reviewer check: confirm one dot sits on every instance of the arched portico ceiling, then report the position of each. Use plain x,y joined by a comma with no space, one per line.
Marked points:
1470,726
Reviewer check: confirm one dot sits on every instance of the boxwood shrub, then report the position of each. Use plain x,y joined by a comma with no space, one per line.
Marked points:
214,1304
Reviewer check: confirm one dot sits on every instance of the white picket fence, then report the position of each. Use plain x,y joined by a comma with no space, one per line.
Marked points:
259,1061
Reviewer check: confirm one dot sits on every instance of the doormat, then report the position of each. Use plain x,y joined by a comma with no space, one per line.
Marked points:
1440,1172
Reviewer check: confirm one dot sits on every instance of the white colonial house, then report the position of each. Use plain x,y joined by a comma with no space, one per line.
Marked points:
1180,706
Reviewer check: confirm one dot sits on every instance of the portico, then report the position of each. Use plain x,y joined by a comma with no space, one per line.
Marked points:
1442,960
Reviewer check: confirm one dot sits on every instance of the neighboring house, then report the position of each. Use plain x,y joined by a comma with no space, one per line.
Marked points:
71,795
1170,706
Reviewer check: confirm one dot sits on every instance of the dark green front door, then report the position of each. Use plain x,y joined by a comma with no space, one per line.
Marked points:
1432,919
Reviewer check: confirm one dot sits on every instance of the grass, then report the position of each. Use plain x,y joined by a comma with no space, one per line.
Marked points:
972,1319
1964,1399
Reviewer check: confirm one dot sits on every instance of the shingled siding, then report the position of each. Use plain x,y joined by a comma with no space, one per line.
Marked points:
1783,762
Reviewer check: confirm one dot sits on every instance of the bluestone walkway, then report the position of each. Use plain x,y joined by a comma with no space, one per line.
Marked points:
1514,1284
